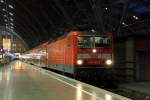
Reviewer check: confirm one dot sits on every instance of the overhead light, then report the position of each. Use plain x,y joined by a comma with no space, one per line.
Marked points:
2,1
93,30
106,8
11,24
123,23
11,19
135,17
11,27
5,15
4,9
11,13
10,6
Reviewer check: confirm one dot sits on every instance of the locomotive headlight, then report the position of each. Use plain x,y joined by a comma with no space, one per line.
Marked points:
94,50
108,62
79,62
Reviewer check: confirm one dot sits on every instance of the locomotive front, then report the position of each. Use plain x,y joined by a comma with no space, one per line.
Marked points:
94,50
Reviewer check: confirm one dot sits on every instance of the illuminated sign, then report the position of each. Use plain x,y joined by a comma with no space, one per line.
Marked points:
6,44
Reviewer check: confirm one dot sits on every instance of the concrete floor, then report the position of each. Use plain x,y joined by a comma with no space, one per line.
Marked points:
21,81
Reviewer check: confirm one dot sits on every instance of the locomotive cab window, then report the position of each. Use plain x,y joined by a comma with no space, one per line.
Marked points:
102,41
93,42
85,41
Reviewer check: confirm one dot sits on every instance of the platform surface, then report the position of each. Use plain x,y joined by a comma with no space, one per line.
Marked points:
21,81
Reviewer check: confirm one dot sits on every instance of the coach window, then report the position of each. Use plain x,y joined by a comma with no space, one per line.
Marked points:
68,42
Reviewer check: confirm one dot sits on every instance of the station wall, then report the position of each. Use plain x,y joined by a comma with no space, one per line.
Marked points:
132,58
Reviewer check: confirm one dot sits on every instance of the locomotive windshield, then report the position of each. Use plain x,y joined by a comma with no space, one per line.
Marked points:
93,42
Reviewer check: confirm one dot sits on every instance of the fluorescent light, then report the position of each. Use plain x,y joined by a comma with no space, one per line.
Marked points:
11,19
11,13
2,1
5,15
10,6
4,9
11,23
135,17
11,27
123,23
93,30
106,8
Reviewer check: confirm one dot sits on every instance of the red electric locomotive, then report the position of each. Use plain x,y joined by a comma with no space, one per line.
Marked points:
81,52
76,53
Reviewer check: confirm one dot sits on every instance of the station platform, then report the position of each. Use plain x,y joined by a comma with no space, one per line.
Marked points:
21,81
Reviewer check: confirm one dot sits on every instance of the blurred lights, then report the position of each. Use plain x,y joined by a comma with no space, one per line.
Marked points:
10,6
2,1
79,62
11,19
5,15
11,13
18,66
108,97
11,27
93,30
108,62
94,50
6,44
123,23
11,24
4,9
106,8
94,96
79,92
135,17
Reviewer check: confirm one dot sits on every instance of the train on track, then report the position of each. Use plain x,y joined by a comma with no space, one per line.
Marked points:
76,53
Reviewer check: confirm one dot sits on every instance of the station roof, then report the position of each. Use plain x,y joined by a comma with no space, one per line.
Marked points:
38,21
